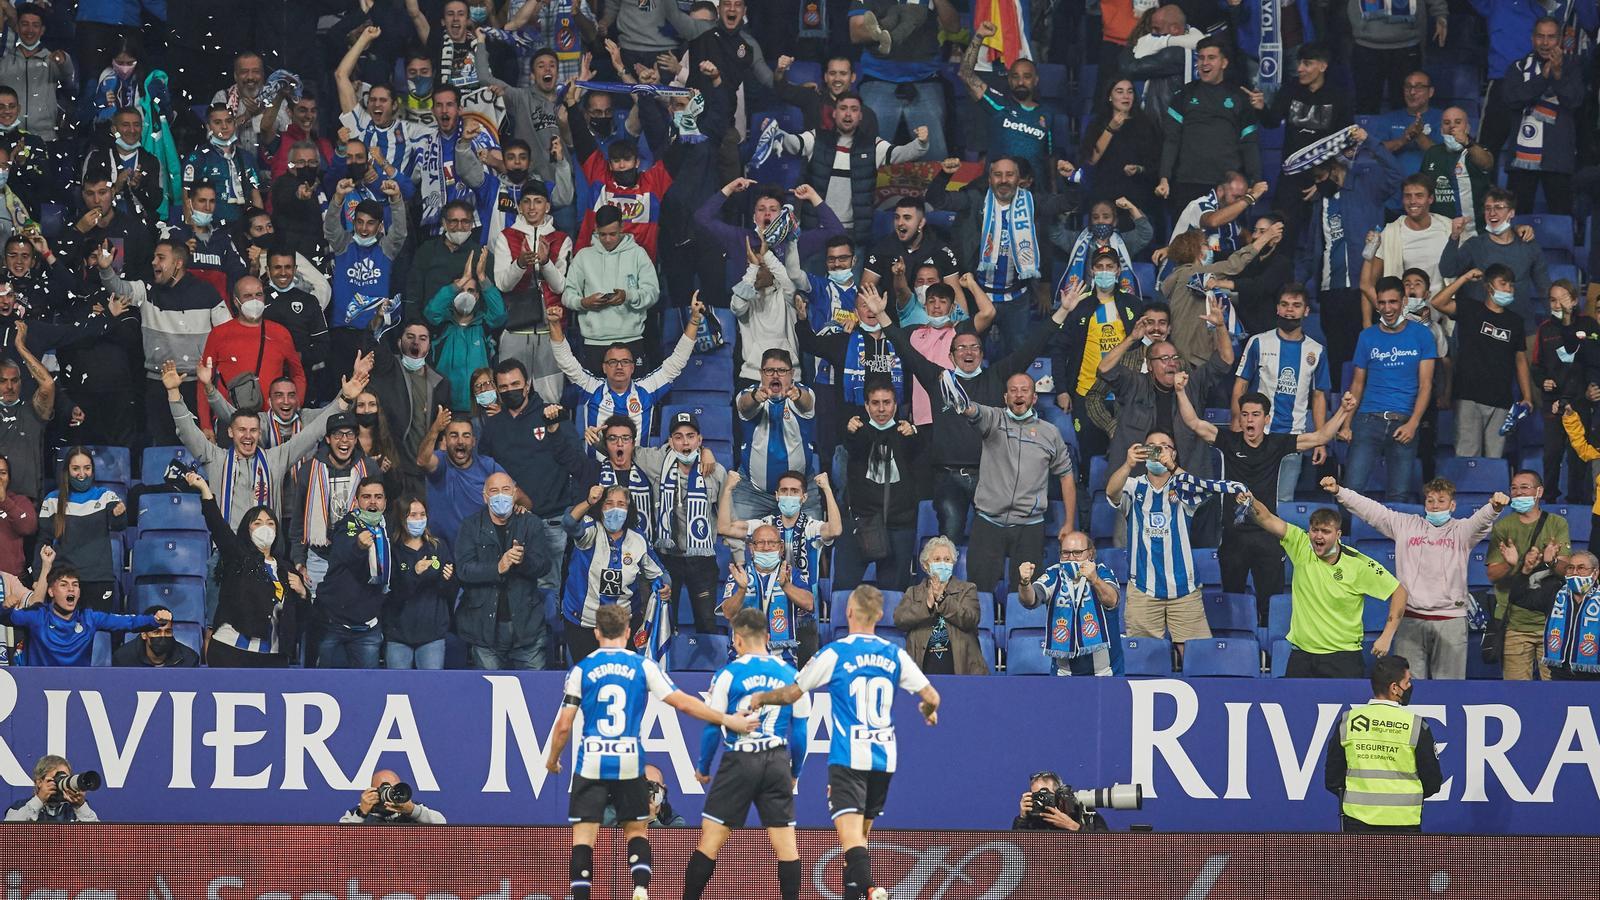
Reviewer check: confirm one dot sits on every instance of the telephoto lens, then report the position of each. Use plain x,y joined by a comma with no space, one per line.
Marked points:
81,782
1117,796
394,794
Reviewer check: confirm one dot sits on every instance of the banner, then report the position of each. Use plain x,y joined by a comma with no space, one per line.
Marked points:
297,746
353,862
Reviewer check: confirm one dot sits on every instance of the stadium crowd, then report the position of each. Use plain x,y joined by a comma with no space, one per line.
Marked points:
1112,338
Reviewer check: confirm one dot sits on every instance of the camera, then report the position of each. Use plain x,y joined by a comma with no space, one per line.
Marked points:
80,782
1080,805
394,794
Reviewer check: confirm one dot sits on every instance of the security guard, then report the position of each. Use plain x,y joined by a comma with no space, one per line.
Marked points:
1381,761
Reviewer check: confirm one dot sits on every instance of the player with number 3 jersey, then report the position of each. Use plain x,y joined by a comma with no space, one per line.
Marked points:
612,686
861,672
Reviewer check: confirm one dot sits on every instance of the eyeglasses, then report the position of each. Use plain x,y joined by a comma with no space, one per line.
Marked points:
616,362
1170,357
773,371
1068,551
1496,207
768,545
619,439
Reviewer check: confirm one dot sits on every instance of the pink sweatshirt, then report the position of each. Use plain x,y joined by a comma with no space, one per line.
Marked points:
1429,560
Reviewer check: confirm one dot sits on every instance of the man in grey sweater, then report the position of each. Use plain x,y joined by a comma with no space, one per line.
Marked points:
1020,454
1512,247
1388,46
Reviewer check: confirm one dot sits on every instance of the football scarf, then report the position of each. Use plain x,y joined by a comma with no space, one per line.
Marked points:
697,509
261,482
1013,232
1076,623
1083,249
1572,632
1538,114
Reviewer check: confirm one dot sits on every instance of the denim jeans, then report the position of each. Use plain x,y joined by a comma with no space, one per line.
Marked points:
1289,477
1371,437
555,549
952,501
404,656
344,648
926,109
1015,318
526,657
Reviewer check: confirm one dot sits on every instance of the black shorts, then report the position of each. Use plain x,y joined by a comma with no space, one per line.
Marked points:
762,777
590,797
854,791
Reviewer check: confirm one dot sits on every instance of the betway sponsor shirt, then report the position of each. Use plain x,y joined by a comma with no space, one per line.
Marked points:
1392,361
1019,131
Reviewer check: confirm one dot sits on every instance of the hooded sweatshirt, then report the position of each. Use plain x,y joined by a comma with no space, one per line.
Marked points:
596,270
1430,561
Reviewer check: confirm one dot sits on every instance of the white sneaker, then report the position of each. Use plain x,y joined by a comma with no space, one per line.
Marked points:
877,893
640,893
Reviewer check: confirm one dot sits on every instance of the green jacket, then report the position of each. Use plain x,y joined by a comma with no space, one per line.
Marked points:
460,350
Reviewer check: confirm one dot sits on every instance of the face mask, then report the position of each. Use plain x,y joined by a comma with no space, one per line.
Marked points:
1208,256
942,570
1332,551
124,146
81,484
224,143
1405,696
767,559
1415,306
516,176
841,276
1155,467
263,536
356,172
1105,281
1437,517
252,309
1288,324
1451,144
1579,584
938,321
1147,340
479,14
161,646
921,292
367,419
1566,356
1502,228
412,363
973,374
201,219
513,400
614,518
308,174
29,47
627,179
869,329
688,457
457,237
1019,418
415,527
485,398
10,128
420,87
789,506
10,403
1102,231
881,426
124,71
500,504
364,240
602,127
466,302
370,517
1502,299
1522,504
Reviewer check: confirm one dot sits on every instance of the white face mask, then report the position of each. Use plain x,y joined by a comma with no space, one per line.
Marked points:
263,536
466,302
252,309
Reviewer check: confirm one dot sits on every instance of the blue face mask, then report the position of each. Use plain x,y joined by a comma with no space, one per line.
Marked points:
364,240
767,559
1522,504
415,527
614,518
1451,144
1438,517
412,363
224,143
1105,281
1155,467
421,87
500,504
1502,299
1208,256
938,321
81,484
1019,418
789,507
869,329
1566,356
973,374
942,570
881,426
485,398
841,277
479,14
200,219
124,146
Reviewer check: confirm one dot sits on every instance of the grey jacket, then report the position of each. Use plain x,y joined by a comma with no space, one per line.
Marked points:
1018,460
1388,33
279,459
1136,413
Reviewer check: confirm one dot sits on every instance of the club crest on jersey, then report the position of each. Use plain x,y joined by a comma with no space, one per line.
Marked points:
627,559
1158,520
538,433
633,405
297,306
1062,632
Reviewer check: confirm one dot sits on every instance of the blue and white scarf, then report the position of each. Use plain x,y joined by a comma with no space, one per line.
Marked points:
377,555
1077,622
855,368
1396,11
1572,632
261,483
768,145
766,594
1193,491
1269,71
640,90
656,632
1009,234
697,509
638,494
1538,114
799,555
1078,264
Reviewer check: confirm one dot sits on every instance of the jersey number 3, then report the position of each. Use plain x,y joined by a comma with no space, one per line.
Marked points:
614,701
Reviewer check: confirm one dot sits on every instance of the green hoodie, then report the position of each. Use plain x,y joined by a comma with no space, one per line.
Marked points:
596,270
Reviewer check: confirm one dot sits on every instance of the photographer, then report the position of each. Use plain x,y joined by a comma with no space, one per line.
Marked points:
1035,815
662,814
54,798
388,802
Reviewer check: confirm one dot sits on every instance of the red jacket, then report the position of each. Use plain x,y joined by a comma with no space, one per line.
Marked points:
640,204
278,154
233,345
18,520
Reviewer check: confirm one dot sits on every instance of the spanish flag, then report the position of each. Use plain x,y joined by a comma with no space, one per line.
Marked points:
1009,42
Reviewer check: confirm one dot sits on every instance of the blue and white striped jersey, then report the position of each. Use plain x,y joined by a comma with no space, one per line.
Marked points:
611,688
731,689
604,571
1159,562
638,401
861,672
777,437
1224,239
1287,372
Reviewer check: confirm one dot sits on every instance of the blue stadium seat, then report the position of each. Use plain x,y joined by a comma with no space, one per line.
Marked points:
927,522
706,373
185,596
1478,567
986,647
113,467
1025,652
1147,656
1233,657
1280,657
1018,616
804,72
1102,520
153,462
171,556
189,636
986,611
1551,232
1116,558
716,421
100,652
1278,612
1099,472
888,632
1374,615
1362,531
1476,667
170,512
1207,570
1475,474
1231,615
697,652
1297,513
1146,273
1052,81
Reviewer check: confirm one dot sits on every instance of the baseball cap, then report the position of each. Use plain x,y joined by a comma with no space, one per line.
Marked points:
684,418
340,421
